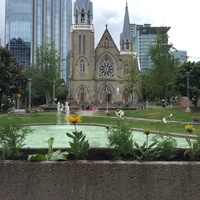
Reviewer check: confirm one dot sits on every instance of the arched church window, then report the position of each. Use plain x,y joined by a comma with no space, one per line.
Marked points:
126,72
127,44
122,44
82,16
79,43
84,44
88,17
106,68
76,17
82,65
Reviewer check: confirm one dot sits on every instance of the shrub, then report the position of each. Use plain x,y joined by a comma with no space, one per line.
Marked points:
12,136
120,138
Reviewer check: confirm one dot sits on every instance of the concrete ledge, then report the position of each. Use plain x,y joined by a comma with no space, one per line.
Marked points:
99,180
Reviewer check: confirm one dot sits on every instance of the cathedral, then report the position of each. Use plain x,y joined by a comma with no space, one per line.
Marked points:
96,73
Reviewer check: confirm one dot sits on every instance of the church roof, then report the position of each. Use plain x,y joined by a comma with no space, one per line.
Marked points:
126,27
105,34
79,4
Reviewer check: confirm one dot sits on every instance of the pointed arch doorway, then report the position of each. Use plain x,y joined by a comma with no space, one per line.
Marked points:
106,93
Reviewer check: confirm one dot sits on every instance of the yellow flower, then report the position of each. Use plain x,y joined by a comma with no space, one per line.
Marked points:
146,131
74,120
189,128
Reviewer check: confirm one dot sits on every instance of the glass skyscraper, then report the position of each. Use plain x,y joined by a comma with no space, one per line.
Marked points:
144,37
31,23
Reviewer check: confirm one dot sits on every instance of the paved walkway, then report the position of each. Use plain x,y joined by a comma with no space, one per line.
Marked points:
87,112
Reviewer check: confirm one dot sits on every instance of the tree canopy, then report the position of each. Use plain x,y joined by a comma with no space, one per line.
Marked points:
12,78
131,78
163,69
191,70
47,61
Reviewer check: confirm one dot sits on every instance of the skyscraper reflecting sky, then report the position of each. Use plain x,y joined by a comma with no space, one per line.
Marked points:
30,23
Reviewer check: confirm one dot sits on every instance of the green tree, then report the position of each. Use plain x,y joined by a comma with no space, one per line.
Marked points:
12,78
132,77
164,66
47,60
192,70
38,93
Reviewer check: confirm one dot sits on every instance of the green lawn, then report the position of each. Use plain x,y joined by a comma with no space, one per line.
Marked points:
157,113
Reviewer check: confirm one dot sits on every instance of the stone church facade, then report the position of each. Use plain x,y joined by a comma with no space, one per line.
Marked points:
95,73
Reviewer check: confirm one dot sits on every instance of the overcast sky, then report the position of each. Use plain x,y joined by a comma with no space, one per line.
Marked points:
181,15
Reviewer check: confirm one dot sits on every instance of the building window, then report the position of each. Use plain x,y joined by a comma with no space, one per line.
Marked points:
82,16
127,44
88,17
106,68
122,44
82,65
126,72
84,44
76,17
79,43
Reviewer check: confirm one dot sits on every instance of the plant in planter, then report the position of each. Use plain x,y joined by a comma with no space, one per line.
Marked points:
147,152
79,145
12,136
120,137
167,146
51,155
194,152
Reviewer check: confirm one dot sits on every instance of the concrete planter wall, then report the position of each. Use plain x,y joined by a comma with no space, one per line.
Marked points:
99,180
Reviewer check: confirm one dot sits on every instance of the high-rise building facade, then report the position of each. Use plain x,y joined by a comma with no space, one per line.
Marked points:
31,23
181,55
144,36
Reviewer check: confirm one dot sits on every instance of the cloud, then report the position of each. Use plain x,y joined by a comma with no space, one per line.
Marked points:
180,15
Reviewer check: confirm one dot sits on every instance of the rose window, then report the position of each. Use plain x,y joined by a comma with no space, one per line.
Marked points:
106,68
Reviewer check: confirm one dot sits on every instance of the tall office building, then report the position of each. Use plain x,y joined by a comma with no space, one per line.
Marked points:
31,23
144,36
181,55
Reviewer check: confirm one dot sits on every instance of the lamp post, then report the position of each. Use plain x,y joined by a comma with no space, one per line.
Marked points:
29,93
106,95
188,94
69,90
53,100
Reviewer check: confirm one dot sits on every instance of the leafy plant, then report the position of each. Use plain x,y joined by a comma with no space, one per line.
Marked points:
194,152
51,155
147,152
79,145
167,146
12,136
120,138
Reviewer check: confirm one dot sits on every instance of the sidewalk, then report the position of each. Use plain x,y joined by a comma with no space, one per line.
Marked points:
87,112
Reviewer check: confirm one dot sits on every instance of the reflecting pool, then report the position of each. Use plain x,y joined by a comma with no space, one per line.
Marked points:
96,135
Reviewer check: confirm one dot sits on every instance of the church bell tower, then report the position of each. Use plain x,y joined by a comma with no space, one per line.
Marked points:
82,61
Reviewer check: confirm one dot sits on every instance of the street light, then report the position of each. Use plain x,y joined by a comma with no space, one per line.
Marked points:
188,94
53,92
29,93
106,95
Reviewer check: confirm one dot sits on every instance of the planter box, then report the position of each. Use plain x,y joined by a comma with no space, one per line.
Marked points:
99,180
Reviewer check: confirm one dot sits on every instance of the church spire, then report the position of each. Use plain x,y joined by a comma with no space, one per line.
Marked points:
125,36
83,12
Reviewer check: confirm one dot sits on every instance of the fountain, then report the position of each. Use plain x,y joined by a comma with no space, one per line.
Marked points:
67,110
58,114
97,136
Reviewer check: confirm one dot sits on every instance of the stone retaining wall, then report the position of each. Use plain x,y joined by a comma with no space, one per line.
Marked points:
99,180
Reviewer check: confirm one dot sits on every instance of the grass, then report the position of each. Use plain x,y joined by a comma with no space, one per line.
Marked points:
178,114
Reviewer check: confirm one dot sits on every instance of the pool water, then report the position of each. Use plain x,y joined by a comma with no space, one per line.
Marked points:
96,135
